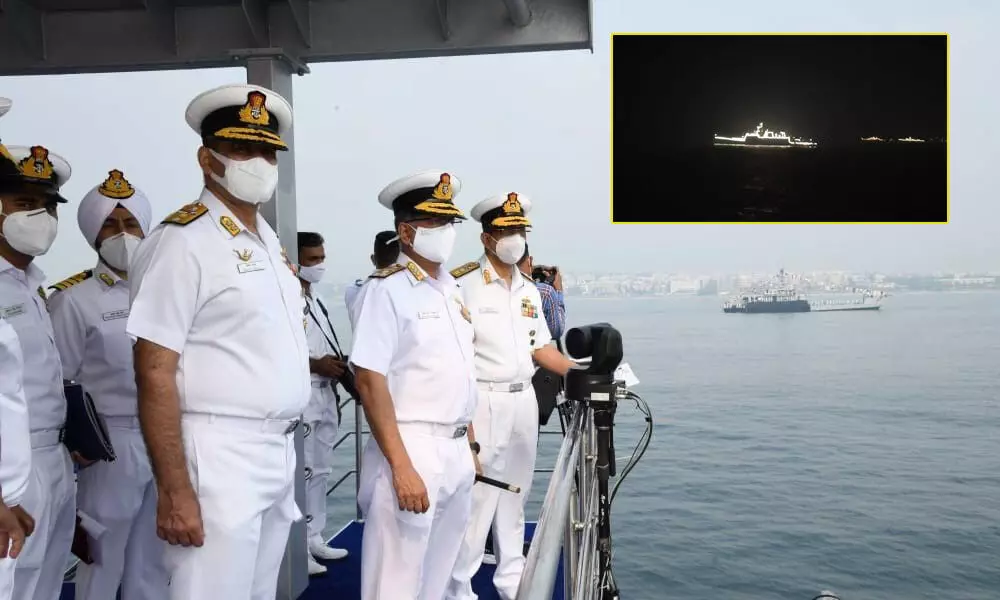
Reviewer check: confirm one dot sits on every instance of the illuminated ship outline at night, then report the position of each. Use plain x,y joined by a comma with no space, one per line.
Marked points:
764,138
878,139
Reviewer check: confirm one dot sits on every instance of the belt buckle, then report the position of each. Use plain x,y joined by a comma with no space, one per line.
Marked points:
461,430
62,434
516,387
292,426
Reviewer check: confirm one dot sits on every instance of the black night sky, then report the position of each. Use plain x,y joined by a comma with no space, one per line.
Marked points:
833,89
673,93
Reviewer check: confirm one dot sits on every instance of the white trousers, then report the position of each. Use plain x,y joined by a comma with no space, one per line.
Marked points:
121,496
51,500
244,475
506,425
7,578
405,555
322,427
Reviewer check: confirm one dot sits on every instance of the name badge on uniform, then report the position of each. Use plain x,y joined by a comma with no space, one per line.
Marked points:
250,267
488,310
115,314
8,312
428,315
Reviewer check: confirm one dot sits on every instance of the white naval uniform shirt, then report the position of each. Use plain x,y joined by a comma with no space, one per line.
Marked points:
89,320
350,295
23,305
228,302
416,331
15,442
509,323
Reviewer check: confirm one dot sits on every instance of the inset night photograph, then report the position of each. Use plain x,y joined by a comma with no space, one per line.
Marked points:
780,128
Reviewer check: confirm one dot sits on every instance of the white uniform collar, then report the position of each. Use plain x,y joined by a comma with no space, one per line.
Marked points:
225,221
490,275
33,274
416,274
106,276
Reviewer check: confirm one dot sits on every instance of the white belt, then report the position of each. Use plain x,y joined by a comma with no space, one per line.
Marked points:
321,384
436,430
121,421
281,426
490,386
46,438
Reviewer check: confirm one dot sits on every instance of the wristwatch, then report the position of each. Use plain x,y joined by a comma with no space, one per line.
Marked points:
475,447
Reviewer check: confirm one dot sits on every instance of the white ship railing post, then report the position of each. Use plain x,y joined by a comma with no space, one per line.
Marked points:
273,69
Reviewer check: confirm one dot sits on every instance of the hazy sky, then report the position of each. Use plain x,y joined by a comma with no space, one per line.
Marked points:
537,124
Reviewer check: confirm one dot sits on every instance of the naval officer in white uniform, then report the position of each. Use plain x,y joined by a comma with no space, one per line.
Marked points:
221,358
15,444
384,253
413,357
29,226
322,416
511,336
89,312
15,455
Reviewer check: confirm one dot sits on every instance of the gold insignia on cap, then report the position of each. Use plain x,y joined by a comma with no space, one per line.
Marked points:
442,191
5,153
512,205
116,186
254,111
37,164
229,225
511,213
244,255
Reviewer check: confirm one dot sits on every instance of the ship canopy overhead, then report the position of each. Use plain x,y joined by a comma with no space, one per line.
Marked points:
42,37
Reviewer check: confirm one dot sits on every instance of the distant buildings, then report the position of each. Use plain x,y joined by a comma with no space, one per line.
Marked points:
818,282
616,285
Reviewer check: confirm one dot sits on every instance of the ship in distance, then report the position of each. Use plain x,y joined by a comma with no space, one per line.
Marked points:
761,137
780,296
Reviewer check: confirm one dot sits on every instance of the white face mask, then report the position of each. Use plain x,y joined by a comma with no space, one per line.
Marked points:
434,243
30,232
313,274
117,250
252,180
511,248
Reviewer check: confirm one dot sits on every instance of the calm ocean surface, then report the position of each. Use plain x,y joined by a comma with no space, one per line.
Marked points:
854,452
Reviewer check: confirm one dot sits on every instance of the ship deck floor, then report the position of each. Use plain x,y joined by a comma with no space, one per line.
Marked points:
342,581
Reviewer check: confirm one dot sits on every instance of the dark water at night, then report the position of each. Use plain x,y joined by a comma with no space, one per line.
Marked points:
852,452
864,182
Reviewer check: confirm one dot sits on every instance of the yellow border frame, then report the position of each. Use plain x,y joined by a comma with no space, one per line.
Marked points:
611,143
